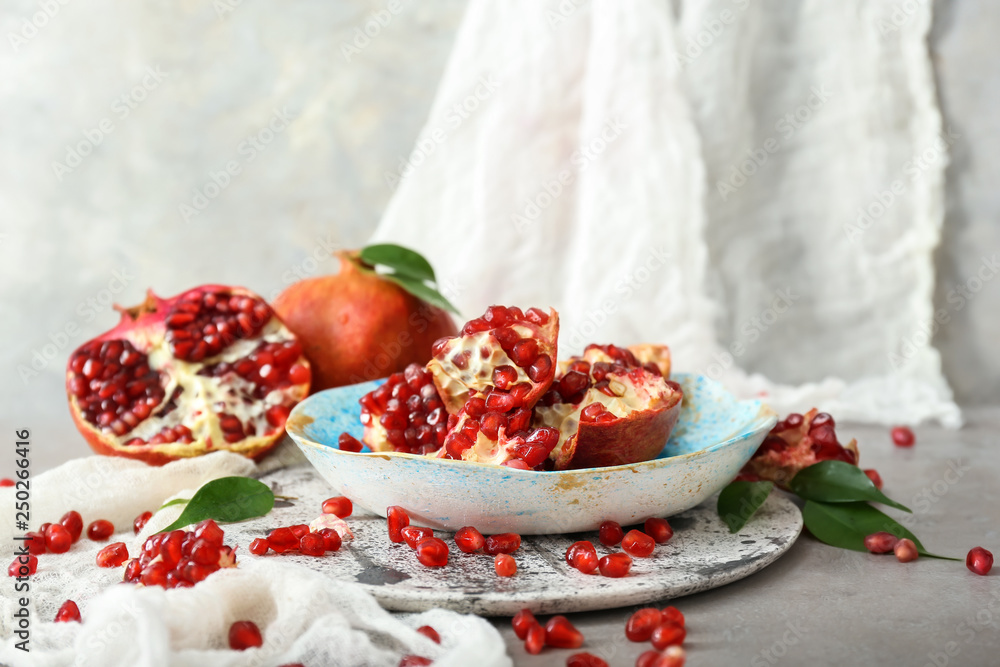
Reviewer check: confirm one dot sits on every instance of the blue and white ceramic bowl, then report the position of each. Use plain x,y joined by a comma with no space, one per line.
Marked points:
715,435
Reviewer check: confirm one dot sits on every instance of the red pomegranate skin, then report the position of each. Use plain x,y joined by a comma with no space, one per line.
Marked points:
355,326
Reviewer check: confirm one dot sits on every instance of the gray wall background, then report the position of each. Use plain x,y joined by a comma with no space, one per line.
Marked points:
71,242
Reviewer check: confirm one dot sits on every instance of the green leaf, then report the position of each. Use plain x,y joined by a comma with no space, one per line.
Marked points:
421,291
740,500
227,499
175,501
846,525
403,261
838,482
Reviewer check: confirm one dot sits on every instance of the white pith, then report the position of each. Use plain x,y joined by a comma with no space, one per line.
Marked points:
456,382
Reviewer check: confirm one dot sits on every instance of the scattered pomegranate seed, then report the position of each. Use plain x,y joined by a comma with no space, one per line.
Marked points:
340,506
140,521
674,656
673,615
668,634
68,612
902,436
414,661
979,561
560,633
610,534
73,522
638,544
35,543
640,625
57,539
112,555
100,530
413,535
282,540
658,529
505,565
585,660
615,565
31,564
244,635
312,544
470,540
397,519
534,641
349,443
430,633
6,481
648,659
523,621
582,556
881,542
331,539
905,550
504,543
433,552
875,478
258,546
298,530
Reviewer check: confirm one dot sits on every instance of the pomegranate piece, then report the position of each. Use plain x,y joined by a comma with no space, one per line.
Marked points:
112,555
534,640
244,635
582,556
100,530
396,520
430,633
57,539
585,660
259,546
560,633
414,661
796,442
610,534
615,565
640,625
504,543
668,634
169,381
339,506
73,522
673,656
6,481
332,540
638,544
658,529
979,560
881,542
140,522
209,531
902,436
298,530
523,621
23,566
875,478
905,550
35,543
405,414
674,615
68,612
413,535
609,408
349,443
312,544
282,539
505,565
470,540
432,552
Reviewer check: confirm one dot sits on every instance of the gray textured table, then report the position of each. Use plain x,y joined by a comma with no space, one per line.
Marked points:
818,605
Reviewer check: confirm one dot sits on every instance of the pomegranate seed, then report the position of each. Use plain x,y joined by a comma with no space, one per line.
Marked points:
875,478
258,546
505,565
534,641
349,443
541,369
585,660
132,570
414,661
298,530
140,522
673,656
154,574
397,519
673,615
6,481
282,540
668,634
112,555
583,556
73,522
331,539
615,565
979,561
504,377
536,316
57,539
610,533
905,550
312,544
640,625
902,436
560,633
244,635
35,543
339,506
659,530
504,543
523,621
100,530
68,612
638,544
881,543
525,352
430,633
23,566
432,552
413,535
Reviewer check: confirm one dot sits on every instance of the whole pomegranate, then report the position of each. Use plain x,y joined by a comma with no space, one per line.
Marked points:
212,368
356,325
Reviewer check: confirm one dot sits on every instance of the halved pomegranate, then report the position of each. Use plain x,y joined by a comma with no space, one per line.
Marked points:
212,368
611,407
796,442
506,352
500,438
405,414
